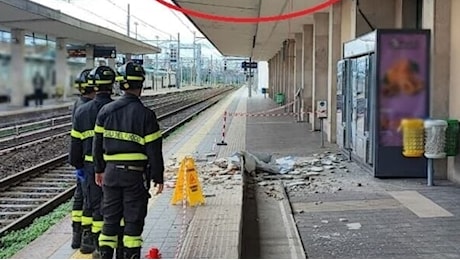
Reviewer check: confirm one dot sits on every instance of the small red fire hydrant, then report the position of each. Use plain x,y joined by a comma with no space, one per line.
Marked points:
153,253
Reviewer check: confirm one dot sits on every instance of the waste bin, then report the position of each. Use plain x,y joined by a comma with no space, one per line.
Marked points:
279,99
413,137
435,139
452,133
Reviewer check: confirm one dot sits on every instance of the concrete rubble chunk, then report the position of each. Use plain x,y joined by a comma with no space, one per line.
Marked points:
295,172
316,169
278,177
312,174
354,226
221,163
210,154
224,172
233,166
298,183
326,162
315,161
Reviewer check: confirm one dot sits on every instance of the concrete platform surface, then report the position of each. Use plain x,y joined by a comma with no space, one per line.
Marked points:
340,212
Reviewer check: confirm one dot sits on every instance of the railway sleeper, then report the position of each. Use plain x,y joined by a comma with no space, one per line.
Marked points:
14,207
55,178
47,184
6,214
37,191
21,200
17,194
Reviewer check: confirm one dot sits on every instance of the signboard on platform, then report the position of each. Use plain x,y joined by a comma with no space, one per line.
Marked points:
76,51
249,65
105,52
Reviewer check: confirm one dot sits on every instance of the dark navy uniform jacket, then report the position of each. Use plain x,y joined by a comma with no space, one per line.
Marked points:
83,130
80,101
128,133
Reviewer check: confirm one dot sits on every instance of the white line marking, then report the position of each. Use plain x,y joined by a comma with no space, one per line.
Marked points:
419,204
289,233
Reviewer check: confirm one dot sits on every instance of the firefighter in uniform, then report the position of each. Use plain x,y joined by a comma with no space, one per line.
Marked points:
102,78
127,150
80,215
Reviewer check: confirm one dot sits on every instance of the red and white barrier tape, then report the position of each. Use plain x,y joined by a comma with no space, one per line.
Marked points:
265,114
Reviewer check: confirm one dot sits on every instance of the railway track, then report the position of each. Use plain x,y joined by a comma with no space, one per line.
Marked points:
14,120
36,191
23,135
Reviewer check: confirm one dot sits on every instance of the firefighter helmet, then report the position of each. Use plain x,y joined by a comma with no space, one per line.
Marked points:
81,82
130,75
102,78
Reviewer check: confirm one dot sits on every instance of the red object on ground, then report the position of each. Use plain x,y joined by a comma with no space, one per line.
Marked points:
154,253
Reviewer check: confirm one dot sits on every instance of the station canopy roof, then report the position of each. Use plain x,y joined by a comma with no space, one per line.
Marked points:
237,39
33,17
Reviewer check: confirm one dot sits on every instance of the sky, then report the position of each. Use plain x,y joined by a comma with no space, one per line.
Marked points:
152,18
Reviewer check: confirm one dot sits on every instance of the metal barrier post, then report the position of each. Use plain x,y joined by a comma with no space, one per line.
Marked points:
322,131
223,130
430,172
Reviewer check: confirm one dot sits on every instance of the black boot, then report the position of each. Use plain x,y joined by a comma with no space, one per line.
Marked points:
119,251
97,250
76,235
106,252
132,253
87,242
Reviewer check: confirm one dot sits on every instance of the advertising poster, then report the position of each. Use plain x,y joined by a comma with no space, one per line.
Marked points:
403,82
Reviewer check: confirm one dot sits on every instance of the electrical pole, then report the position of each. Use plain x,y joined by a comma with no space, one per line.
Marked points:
135,24
157,67
179,65
156,63
193,72
198,69
129,18
250,77
211,70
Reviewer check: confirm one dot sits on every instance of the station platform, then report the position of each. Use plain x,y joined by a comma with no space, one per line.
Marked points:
343,212
52,104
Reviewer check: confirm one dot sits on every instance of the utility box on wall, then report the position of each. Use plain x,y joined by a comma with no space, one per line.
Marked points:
321,109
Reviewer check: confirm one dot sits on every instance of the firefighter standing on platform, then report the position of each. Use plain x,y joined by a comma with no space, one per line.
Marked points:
102,78
80,215
127,150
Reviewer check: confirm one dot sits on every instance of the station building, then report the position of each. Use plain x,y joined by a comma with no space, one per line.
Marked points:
305,57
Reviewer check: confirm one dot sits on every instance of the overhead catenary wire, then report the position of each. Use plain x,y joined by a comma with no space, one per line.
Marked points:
141,20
